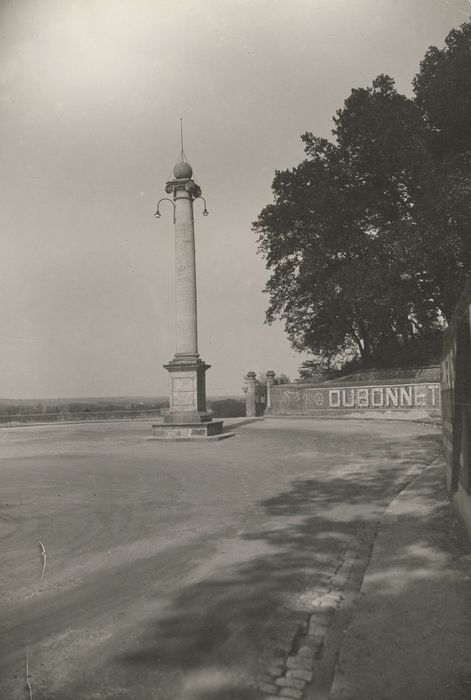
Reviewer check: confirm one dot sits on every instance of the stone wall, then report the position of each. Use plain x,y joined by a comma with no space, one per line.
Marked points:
417,395
456,403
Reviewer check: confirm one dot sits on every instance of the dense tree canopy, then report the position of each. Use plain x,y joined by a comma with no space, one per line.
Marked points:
368,239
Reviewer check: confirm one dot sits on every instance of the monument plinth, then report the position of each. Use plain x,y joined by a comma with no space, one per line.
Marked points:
187,416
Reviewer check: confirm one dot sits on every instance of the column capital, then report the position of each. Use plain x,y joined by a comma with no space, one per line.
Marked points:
186,187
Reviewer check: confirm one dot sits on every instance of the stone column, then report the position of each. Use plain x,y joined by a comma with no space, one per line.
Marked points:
270,382
187,417
250,405
187,370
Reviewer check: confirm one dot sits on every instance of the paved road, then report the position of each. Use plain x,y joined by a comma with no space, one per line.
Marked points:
183,571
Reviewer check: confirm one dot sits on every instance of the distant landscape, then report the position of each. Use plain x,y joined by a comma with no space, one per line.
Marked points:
20,411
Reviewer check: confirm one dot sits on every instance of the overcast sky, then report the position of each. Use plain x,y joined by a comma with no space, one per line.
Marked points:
91,96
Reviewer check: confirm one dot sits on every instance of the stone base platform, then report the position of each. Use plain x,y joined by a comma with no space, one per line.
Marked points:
210,430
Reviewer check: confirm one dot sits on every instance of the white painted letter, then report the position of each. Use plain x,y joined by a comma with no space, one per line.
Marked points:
362,397
434,388
406,395
419,396
392,397
336,393
351,403
377,390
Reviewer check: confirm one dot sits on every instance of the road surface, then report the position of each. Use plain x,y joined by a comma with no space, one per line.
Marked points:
175,570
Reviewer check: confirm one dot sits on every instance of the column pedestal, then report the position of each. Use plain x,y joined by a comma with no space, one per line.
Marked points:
187,416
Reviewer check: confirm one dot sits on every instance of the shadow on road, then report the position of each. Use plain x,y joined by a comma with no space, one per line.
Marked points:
229,621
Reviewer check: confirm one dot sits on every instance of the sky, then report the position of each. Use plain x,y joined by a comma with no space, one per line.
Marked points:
91,95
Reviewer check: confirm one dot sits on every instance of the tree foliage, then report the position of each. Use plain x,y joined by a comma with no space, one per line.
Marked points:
280,378
368,238
227,408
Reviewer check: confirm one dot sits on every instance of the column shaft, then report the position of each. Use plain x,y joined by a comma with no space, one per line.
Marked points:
250,397
185,275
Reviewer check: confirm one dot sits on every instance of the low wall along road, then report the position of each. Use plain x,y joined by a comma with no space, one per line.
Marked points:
304,399
415,393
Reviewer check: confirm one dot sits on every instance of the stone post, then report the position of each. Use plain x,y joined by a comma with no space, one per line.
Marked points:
270,382
250,406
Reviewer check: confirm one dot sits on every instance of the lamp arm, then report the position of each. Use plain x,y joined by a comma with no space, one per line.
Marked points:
165,199
205,211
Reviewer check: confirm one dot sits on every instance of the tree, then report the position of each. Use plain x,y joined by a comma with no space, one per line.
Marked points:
443,92
358,232
227,408
281,378
443,95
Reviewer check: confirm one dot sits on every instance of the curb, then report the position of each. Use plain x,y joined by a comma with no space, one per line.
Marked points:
308,668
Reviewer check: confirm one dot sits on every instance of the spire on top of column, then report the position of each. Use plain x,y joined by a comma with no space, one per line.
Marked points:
182,170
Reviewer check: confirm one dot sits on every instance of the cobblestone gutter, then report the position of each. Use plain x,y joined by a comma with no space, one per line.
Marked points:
300,641
301,662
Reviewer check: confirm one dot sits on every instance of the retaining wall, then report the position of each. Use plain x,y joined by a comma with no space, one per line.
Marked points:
456,402
416,396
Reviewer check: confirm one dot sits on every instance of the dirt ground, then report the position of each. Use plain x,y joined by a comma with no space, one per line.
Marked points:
172,569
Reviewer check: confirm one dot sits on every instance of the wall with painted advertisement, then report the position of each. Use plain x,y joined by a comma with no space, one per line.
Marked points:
306,399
